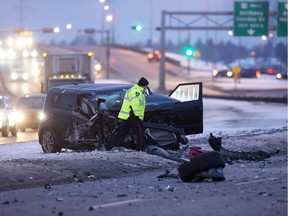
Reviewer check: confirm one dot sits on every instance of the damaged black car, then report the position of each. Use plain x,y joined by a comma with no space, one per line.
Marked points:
83,116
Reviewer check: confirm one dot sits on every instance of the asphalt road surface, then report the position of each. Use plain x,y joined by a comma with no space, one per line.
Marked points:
127,183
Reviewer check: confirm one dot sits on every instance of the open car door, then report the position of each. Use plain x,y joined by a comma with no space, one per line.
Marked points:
190,107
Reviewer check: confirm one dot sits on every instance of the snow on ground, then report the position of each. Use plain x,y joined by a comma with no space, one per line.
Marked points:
230,119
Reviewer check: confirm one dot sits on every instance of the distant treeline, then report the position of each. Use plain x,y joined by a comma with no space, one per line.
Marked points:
225,52
228,52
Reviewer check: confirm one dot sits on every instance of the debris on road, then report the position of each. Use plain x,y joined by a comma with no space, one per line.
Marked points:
216,145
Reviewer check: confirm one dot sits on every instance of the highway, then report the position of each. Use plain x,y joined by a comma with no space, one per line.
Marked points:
129,66
97,183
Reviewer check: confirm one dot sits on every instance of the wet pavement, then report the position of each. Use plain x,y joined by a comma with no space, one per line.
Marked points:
266,90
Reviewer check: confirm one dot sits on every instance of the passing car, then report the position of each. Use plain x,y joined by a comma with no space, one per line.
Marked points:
154,56
224,71
246,72
19,75
7,118
28,111
282,76
272,66
249,72
282,73
83,116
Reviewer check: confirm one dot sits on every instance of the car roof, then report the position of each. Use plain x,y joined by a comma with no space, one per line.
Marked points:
99,87
34,95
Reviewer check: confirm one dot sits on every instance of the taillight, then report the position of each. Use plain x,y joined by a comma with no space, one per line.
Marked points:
272,71
269,71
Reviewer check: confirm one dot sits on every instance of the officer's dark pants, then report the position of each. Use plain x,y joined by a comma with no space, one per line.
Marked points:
136,125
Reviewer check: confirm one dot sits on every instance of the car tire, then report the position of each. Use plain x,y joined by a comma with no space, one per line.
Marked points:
202,162
22,129
48,141
13,131
4,131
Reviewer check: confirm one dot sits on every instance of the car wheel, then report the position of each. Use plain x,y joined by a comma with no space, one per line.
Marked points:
48,142
13,131
22,129
202,162
4,131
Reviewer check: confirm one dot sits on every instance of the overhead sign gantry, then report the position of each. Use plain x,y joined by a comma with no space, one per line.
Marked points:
250,18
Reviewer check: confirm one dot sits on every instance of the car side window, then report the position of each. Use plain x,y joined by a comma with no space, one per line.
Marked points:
55,99
65,101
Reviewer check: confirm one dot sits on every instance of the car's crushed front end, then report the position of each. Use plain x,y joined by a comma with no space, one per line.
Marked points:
167,119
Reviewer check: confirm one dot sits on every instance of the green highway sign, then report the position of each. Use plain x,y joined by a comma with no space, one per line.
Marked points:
251,18
282,19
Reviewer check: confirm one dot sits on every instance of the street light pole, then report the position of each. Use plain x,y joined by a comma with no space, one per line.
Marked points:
163,59
107,53
102,26
102,19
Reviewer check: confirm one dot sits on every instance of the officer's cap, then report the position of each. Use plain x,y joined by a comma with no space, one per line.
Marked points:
143,82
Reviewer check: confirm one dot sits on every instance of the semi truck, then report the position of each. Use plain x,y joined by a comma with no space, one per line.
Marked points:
64,69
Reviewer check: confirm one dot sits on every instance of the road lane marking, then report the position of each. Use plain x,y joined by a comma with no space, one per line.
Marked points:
117,203
257,181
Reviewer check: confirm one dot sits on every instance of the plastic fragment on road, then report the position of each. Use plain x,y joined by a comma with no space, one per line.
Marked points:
216,145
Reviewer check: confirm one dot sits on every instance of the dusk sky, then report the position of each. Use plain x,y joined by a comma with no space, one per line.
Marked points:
37,14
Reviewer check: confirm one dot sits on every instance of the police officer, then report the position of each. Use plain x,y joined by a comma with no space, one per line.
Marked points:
132,115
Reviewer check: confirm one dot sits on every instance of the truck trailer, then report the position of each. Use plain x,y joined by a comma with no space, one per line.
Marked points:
64,69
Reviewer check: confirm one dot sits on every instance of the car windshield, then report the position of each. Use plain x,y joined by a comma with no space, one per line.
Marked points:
111,100
31,102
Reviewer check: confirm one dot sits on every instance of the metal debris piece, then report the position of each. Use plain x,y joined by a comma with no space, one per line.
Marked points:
216,145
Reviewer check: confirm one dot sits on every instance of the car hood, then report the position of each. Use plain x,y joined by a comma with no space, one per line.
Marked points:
157,101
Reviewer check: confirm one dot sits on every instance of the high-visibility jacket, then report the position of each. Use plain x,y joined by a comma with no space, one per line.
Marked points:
134,100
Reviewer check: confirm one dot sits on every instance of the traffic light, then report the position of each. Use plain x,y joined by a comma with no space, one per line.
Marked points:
189,52
197,54
137,27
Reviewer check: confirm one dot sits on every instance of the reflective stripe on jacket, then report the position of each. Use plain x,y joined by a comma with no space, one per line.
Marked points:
135,99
